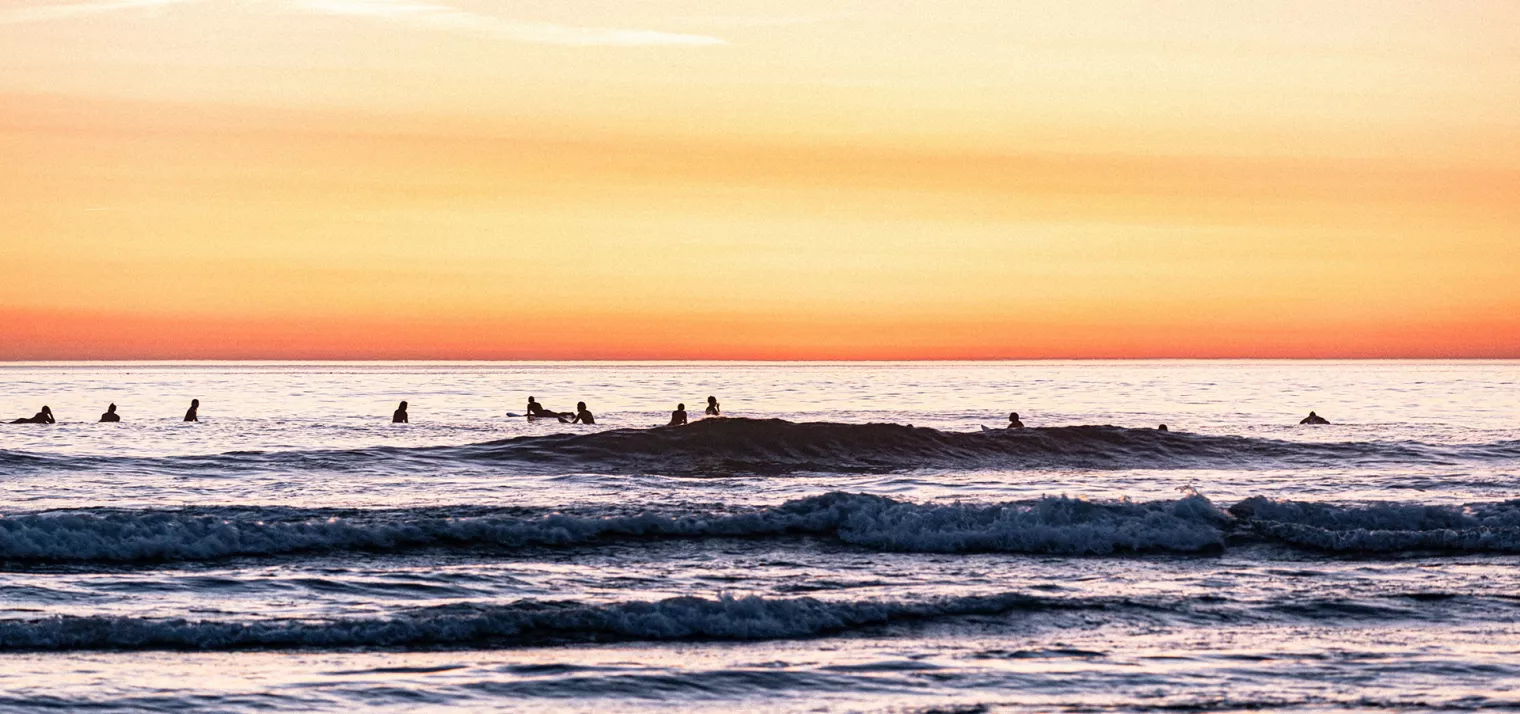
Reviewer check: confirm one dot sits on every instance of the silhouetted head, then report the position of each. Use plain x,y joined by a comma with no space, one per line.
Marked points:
1313,414
1013,416
195,402
1162,428
111,409
46,409
580,406
403,405
712,400
680,407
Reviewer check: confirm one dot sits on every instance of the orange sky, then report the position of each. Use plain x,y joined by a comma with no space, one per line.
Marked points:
886,180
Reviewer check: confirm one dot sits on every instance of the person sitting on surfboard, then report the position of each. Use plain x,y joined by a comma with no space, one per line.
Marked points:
583,415
678,417
43,417
193,413
1013,421
110,414
399,416
1314,419
712,407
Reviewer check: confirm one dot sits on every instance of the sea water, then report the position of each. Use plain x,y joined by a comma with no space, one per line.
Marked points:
850,537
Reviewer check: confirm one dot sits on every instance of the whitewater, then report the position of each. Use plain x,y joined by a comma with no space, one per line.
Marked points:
849,537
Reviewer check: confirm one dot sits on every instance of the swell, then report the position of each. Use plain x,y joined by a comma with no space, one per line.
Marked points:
774,446
533,622
1051,525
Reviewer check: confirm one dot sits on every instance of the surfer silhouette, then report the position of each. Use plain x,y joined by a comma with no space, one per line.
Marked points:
1013,421
110,414
583,415
537,411
43,417
678,417
1314,419
1162,428
712,407
193,413
399,417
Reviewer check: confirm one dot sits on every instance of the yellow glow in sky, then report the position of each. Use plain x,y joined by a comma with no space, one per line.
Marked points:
573,179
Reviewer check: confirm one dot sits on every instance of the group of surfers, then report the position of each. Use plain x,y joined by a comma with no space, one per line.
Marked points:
582,415
45,415
535,411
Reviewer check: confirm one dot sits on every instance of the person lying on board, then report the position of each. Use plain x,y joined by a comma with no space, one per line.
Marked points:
583,415
1314,419
399,416
712,407
678,417
110,415
43,417
537,411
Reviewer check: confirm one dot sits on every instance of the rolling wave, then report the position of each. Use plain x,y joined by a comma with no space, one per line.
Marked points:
533,622
774,446
1051,525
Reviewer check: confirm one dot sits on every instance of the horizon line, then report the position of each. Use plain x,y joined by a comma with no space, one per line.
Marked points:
188,361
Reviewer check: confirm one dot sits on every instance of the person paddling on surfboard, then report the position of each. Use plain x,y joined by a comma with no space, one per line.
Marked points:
583,415
43,417
712,407
678,417
1314,419
1013,421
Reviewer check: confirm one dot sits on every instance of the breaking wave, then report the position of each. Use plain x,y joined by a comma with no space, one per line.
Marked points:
1051,525
682,618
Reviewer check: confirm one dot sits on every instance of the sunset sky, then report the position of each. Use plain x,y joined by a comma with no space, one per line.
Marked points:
686,179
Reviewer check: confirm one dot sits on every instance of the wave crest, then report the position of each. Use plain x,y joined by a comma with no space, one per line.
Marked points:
1050,525
681,618
533,622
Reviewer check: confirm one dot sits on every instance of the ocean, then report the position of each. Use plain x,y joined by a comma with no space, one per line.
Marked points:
849,537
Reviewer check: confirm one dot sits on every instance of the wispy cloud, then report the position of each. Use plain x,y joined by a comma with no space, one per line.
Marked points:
732,21
65,10
448,18
412,13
